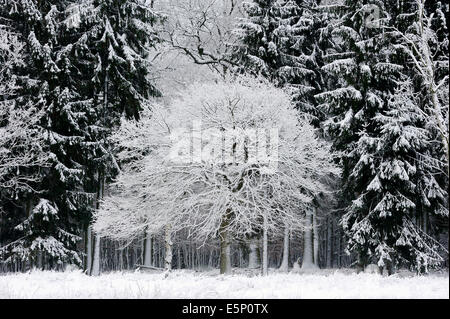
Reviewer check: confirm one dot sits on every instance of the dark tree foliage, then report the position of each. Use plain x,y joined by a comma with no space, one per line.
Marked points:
85,64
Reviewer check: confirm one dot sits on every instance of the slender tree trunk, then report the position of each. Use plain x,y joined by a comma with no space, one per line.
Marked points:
95,270
253,258
168,248
210,259
316,239
185,257
285,263
308,252
148,250
193,255
338,249
425,222
120,258
240,257
265,261
329,242
361,262
88,249
179,257
29,209
134,256
39,260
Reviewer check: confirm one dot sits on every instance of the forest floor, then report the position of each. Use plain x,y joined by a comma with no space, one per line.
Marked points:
327,283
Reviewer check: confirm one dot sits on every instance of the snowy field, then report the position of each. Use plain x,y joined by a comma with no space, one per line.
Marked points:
190,284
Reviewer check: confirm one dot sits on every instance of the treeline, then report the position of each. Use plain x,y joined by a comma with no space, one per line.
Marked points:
371,76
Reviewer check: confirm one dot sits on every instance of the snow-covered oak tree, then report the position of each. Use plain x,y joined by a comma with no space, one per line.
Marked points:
228,159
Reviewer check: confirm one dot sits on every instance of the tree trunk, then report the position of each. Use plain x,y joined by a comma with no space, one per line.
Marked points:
88,249
316,239
148,250
285,263
39,260
225,249
308,252
95,270
168,248
210,259
179,257
361,262
329,242
253,258
425,222
265,261
29,209
338,249
225,253
120,258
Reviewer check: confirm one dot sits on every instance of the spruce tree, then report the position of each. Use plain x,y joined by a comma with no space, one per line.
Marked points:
46,229
375,121
286,41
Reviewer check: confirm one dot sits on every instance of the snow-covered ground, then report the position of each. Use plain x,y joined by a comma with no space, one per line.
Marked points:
190,284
